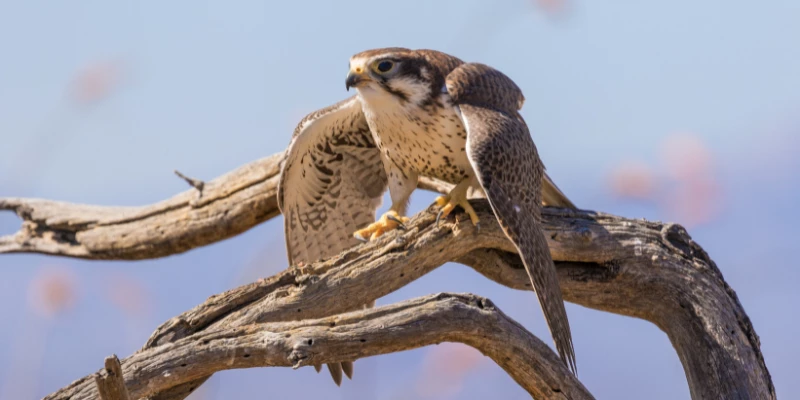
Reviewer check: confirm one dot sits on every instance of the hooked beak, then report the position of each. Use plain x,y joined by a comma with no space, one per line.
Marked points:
354,78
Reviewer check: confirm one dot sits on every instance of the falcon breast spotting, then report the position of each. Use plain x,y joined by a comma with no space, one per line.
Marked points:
420,113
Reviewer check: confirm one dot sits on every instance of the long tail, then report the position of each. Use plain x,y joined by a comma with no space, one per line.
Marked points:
336,371
542,272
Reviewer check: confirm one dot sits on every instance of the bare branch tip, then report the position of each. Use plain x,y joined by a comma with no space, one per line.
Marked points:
8,244
111,385
112,364
9,203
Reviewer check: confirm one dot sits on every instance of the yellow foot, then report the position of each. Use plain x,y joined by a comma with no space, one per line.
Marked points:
386,223
448,204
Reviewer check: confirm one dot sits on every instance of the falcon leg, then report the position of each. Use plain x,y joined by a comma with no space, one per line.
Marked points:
456,197
401,184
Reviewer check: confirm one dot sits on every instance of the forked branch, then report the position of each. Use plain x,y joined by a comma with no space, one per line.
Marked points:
647,270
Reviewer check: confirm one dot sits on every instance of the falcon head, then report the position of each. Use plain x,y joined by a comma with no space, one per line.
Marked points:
394,74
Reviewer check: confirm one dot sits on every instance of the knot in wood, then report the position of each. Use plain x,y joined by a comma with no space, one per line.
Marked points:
677,239
301,352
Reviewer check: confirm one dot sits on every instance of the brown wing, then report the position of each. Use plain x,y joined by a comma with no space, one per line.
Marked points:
508,168
331,183
330,186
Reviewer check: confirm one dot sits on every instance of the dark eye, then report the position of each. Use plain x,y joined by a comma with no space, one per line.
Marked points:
385,66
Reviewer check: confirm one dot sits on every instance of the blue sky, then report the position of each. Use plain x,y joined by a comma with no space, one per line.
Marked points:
206,86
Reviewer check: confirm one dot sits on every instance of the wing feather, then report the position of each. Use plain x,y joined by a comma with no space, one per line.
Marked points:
511,174
553,196
331,183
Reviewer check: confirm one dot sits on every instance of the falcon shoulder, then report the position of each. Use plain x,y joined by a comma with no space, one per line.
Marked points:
331,183
511,174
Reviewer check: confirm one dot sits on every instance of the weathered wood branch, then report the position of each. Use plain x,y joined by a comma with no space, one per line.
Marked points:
111,382
229,205
648,270
463,318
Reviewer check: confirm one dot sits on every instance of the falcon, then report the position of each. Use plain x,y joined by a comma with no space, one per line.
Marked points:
420,113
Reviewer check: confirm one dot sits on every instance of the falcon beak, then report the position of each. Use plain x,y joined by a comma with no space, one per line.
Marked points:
354,78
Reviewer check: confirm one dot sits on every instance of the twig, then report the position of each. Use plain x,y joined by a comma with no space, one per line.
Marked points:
195,183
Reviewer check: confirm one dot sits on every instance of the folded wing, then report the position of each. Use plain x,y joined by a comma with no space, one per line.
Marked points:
511,174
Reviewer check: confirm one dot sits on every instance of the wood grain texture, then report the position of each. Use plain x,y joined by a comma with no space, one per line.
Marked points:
227,206
424,321
111,382
648,270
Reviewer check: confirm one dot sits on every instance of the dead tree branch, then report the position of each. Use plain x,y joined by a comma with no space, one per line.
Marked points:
229,205
648,270
467,319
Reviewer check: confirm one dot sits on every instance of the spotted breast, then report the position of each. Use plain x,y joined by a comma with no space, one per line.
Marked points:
430,143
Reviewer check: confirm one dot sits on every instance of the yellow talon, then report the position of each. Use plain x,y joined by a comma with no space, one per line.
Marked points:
457,197
387,222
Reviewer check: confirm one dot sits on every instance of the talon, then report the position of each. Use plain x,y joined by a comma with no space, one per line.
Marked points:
387,222
398,221
445,211
441,201
473,216
456,198
378,232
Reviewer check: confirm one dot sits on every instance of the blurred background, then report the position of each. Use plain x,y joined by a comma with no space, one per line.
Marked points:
678,110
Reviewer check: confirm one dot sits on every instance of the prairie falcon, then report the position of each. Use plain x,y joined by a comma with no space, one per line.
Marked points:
420,113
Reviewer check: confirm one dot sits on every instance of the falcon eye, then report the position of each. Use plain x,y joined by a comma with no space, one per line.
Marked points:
385,66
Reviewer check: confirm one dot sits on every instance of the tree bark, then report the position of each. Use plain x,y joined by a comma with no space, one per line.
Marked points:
467,319
225,207
648,270
111,382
